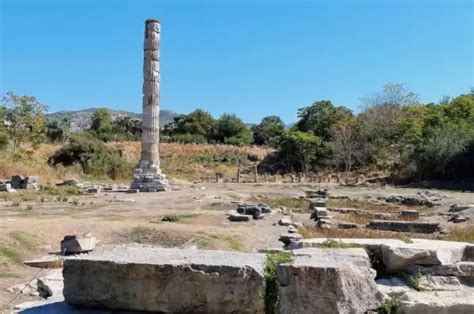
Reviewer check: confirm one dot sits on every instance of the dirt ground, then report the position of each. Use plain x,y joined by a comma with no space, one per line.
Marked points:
34,229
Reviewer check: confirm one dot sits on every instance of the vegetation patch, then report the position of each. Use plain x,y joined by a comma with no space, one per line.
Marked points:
334,244
272,287
206,241
178,217
415,280
25,240
10,254
390,306
462,234
147,235
296,204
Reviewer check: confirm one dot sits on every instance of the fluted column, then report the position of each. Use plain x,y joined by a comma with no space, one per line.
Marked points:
150,157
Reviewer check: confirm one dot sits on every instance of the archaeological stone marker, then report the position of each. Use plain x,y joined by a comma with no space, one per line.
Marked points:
148,176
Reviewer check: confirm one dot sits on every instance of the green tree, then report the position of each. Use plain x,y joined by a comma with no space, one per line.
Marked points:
231,130
269,131
300,151
101,125
58,131
23,120
127,128
196,127
320,116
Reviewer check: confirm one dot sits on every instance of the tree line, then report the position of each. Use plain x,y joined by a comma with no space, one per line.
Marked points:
393,132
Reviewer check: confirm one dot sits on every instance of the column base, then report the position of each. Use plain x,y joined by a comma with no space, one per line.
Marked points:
149,180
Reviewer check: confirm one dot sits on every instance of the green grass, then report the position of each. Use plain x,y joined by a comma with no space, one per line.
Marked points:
147,235
205,240
390,306
334,244
12,255
305,233
24,239
272,287
177,217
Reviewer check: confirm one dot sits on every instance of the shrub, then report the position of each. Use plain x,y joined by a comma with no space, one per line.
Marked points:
334,244
93,156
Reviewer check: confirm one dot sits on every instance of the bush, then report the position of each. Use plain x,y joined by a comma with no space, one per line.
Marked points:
272,287
93,156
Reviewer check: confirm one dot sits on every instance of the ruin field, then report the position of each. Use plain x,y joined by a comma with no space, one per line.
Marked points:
32,223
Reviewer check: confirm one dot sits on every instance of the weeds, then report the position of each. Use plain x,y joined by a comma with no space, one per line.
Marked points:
272,288
334,244
390,306
12,255
415,280
178,217
462,234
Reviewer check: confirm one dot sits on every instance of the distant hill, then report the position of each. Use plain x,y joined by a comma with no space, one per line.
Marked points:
80,119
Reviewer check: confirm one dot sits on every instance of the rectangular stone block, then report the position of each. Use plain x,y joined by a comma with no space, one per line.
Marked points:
404,226
333,281
167,280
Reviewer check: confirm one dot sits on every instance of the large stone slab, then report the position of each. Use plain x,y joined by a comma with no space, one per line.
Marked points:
409,256
166,280
328,281
437,302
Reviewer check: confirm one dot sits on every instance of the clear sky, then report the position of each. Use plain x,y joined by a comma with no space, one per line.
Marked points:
252,58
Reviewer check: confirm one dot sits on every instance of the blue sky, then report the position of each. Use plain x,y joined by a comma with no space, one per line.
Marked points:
252,58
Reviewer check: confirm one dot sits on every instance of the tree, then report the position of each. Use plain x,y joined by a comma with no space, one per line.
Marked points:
127,128
23,119
320,116
379,123
231,130
196,127
300,151
101,124
58,131
268,131
345,143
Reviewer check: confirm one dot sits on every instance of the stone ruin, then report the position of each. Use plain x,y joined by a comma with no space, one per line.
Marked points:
148,176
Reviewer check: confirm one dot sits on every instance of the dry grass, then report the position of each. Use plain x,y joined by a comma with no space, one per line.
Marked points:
463,234
189,162
296,204
365,234
345,203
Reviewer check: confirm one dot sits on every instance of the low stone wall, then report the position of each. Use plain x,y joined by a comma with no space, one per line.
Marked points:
167,280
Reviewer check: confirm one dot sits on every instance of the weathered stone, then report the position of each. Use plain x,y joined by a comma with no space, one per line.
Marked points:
319,202
264,208
347,225
285,222
73,244
392,287
404,226
439,283
328,283
410,214
292,229
148,176
468,253
167,280
133,191
460,269
49,261
439,302
51,284
5,186
460,207
356,257
408,256
288,238
238,217
344,210
458,219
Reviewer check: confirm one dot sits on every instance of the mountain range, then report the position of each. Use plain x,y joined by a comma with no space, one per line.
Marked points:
80,119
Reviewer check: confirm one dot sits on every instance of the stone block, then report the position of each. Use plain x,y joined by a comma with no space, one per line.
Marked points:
328,283
238,217
167,280
74,244
288,238
404,226
439,302
410,214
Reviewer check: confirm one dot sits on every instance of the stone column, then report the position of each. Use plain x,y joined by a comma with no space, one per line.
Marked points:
148,175
151,97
